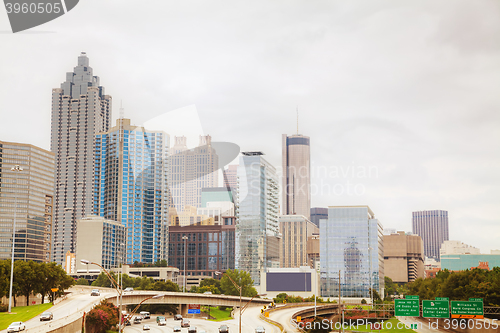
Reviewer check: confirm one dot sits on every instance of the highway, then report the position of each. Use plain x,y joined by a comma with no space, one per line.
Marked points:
67,310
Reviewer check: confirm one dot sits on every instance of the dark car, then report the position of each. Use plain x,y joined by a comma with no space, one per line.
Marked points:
223,329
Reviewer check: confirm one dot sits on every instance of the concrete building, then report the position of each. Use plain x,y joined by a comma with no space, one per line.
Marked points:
101,241
219,194
351,243
295,230
192,170
257,240
189,216
318,213
80,110
296,183
403,257
207,249
300,281
460,262
156,273
27,196
131,186
432,226
231,176
457,247
313,250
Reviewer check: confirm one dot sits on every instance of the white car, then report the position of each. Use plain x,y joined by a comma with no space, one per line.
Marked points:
162,323
146,327
95,292
16,326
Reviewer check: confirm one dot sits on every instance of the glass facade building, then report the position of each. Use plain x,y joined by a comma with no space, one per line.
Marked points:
131,186
257,240
351,243
28,196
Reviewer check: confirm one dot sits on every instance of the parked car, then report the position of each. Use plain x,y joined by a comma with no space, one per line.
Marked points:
162,322
46,316
178,317
160,318
192,329
145,314
177,329
185,322
16,326
95,292
260,329
146,327
223,329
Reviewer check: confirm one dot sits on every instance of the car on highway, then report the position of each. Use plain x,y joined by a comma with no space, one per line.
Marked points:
177,329
16,326
185,322
137,319
146,327
202,331
47,315
223,329
192,329
162,323
160,318
178,317
207,293
128,289
260,329
145,314
95,292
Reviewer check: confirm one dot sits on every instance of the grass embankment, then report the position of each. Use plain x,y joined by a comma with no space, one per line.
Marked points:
22,313
393,324
218,314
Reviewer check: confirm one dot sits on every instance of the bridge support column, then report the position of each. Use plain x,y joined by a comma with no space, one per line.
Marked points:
183,309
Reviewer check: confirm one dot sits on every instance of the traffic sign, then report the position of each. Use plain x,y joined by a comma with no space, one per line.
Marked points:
436,309
408,307
54,289
411,297
194,309
475,299
467,309
442,299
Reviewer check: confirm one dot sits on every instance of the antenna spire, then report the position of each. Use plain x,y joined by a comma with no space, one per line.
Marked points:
297,120
121,110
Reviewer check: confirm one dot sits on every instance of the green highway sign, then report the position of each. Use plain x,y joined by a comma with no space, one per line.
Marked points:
467,309
411,297
475,299
443,299
436,309
407,307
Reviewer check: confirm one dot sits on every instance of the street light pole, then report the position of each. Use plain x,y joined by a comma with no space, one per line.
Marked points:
185,239
16,169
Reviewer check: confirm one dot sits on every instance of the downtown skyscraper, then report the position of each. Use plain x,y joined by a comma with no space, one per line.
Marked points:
432,226
257,240
80,110
131,187
192,170
296,186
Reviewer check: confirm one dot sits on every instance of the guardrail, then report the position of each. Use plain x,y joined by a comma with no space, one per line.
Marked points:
272,322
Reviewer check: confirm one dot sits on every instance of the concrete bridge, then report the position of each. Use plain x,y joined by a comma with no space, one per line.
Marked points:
137,296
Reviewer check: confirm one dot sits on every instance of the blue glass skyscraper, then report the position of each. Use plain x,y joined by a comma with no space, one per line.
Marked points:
351,242
131,187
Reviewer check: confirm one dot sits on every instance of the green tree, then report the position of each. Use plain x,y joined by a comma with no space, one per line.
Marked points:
52,275
163,286
28,278
210,282
82,282
4,277
241,278
102,317
104,281
161,263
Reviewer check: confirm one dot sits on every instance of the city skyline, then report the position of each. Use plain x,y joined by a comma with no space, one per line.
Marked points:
414,103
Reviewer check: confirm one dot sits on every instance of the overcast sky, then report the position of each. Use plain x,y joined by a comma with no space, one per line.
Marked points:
405,93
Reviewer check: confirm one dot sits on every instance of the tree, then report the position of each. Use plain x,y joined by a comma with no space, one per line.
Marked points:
28,278
82,282
4,277
161,263
51,276
210,282
163,286
102,317
104,281
242,279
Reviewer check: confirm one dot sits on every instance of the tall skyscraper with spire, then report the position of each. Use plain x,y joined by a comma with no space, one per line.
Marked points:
80,110
296,161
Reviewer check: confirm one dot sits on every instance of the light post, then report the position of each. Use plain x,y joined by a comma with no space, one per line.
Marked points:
120,329
371,286
118,287
16,169
185,239
239,288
